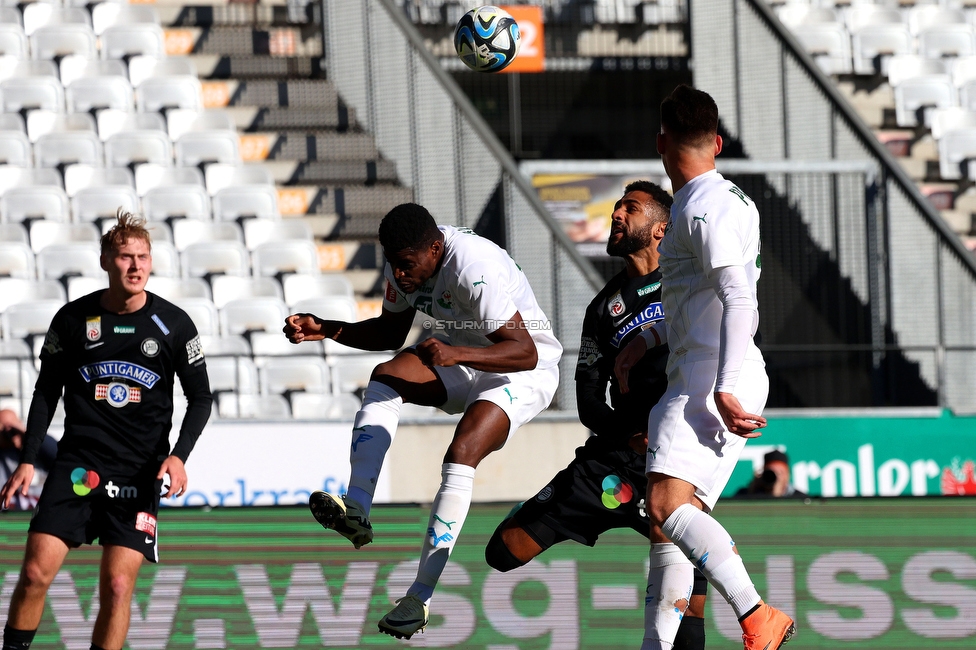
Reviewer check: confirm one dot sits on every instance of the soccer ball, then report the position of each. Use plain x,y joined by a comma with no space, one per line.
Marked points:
487,39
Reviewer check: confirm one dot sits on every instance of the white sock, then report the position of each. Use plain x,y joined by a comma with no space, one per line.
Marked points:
712,550
669,582
375,425
447,515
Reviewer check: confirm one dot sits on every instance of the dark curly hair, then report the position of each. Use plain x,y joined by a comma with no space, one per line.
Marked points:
662,210
690,116
408,226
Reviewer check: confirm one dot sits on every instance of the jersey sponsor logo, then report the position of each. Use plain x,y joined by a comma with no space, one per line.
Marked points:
118,394
104,369
653,312
436,539
701,218
194,350
120,491
150,347
391,293
424,304
83,481
146,523
52,343
651,288
445,300
616,305
160,324
544,494
615,492
93,328
124,329
589,352
477,282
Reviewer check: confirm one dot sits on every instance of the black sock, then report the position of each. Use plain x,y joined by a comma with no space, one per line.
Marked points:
691,634
14,639
96,647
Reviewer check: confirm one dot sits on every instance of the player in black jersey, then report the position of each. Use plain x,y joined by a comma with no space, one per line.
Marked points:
603,487
113,353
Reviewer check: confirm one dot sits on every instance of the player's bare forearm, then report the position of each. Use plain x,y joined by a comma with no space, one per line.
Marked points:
736,419
19,482
506,356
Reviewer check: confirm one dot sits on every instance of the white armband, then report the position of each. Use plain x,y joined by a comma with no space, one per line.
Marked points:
654,335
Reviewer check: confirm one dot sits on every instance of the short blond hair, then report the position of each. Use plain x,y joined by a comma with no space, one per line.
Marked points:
128,226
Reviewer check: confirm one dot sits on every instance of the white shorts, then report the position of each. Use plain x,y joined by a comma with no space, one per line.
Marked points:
522,395
686,437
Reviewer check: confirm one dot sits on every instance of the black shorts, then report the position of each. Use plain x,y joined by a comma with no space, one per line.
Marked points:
82,502
598,491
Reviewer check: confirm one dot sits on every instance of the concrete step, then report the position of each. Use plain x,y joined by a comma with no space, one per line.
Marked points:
216,66
238,13
308,147
233,40
269,93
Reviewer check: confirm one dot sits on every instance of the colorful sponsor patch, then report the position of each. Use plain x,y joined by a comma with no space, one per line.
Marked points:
105,369
615,492
653,312
146,523
118,394
651,288
93,328
124,329
83,481
391,294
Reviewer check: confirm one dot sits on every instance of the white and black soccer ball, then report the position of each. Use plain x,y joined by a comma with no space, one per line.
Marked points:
487,39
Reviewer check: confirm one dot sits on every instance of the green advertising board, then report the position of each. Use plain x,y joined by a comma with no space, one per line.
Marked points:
856,573
869,456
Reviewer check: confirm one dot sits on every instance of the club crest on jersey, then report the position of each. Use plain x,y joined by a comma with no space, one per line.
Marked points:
616,305
150,347
93,328
118,394
653,312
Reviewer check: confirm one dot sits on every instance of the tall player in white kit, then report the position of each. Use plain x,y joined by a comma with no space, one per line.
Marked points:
498,366
717,383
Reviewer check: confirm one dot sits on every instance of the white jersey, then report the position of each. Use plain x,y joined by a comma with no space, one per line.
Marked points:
476,291
713,224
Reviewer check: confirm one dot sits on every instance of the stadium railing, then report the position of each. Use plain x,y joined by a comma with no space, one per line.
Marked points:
449,157
916,276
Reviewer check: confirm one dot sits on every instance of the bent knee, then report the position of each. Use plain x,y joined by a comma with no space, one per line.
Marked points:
498,556
36,576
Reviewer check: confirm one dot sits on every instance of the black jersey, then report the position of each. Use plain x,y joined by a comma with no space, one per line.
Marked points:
116,372
623,308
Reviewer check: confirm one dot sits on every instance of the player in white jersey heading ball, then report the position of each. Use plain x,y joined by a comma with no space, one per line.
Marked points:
717,384
497,363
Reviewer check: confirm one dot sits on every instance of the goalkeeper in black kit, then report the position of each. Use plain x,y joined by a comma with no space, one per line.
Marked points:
603,488
113,354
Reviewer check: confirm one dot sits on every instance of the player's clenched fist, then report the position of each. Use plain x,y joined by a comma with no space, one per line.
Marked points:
303,327
434,352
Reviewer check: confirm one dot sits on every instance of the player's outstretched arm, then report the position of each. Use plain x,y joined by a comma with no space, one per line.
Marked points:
512,350
19,482
388,331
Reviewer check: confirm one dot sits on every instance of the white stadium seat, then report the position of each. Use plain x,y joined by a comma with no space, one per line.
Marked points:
93,203
13,41
193,231
796,14
219,176
52,41
12,122
203,314
903,67
109,14
922,93
829,44
207,258
166,260
175,289
112,121
273,258
75,67
352,373
873,45
15,349
16,260
189,201
227,373
298,287
259,201
48,233
14,291
864,15
254,407
13,232
253,314
15,149
947,40
176,91
145,67
149,177
225,346
56,149
329,308
20,93
17,377
120,41
43,122
203,147
28,318
955,147
183,120
290,374
39,14
19,177
922,17
262,231
138,147
230,287
947,119
35,202
316,406
58,260
91,93
81,286
274,344
82,177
